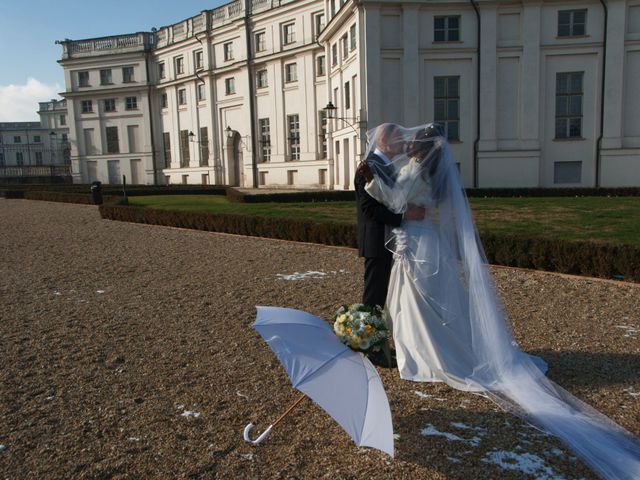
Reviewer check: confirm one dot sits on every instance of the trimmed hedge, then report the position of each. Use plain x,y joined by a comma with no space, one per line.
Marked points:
566,256
574,257
59,197
554,192
281,228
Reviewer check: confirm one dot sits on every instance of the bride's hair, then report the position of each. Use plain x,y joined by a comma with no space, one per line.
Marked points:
426,148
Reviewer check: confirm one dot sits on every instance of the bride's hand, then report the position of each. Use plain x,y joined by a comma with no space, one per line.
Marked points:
364,170
414,212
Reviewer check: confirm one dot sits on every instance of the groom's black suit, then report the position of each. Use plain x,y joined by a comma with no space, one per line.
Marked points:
374,219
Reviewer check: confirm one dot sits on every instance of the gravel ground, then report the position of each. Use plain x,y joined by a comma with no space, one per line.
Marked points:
111,333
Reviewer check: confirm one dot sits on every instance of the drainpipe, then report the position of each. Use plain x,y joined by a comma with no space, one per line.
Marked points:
477,139
604,71
147,54
252,93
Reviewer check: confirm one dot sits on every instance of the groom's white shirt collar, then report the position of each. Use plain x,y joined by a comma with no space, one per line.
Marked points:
384,158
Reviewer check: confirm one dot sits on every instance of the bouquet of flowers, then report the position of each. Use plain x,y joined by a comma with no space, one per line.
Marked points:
361,327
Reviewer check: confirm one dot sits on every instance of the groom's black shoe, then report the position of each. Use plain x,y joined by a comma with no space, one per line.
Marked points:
379,359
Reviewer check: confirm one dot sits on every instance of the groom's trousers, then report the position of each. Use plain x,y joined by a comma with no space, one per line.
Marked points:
376,279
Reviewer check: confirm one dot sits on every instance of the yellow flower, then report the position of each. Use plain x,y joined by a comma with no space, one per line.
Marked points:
342,318
369,328
347,330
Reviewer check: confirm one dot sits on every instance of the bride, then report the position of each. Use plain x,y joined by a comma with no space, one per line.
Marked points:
448,322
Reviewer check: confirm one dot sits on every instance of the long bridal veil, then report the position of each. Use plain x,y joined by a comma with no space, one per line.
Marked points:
445,263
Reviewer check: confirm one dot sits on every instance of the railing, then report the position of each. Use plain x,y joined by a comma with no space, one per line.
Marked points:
134,40
35,171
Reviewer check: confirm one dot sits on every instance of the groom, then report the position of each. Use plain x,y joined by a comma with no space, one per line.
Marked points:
374,219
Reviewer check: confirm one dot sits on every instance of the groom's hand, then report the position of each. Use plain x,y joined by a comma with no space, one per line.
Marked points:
414,212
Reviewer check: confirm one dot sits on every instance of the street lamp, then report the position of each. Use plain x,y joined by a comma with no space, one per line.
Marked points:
331,110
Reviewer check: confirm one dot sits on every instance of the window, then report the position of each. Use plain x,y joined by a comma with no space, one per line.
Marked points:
64,138
228,51
263,178
131,103
322,134
352,36
19,159
446,29
182,96
83,79
164,101
132,135
113,145
261,79
290,73
229,86
447,105
204,146
86,106
161,70
105,77
319,23
198,59
205,179
36,139
289,33
179,65
201,92
185,157
89,146
110,105
265,139
347,96
63,120
292,177
334,54
166,142
344,41
569,105
1,159
38,158
127,74
567,172
322,176
321,68
17,139
261,42
572,23
293,136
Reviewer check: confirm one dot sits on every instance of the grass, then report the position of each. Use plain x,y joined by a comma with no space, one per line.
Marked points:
599,219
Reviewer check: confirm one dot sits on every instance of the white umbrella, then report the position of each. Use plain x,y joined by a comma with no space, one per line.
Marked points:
342,382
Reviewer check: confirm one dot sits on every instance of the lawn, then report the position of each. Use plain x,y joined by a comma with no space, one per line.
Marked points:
600,219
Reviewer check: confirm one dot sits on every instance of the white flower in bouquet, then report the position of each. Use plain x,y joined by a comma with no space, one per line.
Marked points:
361,327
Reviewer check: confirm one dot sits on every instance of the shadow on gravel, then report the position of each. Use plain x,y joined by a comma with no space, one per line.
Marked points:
594,369
464,444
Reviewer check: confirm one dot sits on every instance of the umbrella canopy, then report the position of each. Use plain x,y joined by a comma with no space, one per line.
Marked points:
342,382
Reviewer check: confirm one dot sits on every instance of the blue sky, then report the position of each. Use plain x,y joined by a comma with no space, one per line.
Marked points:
29,29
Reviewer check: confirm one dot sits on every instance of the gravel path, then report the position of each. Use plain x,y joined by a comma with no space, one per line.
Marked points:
111,333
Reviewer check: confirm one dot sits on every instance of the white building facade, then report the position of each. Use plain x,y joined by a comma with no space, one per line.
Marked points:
36,149
532,94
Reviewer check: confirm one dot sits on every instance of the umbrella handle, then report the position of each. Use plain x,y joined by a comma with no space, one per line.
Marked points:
267,432
260,438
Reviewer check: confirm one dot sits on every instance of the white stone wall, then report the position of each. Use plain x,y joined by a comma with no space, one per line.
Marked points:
390,73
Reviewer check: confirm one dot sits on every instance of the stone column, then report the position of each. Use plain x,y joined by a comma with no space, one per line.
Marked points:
530,80
614,76
411,65
488,78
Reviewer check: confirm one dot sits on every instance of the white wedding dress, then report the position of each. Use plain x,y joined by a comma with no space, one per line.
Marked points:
448,322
